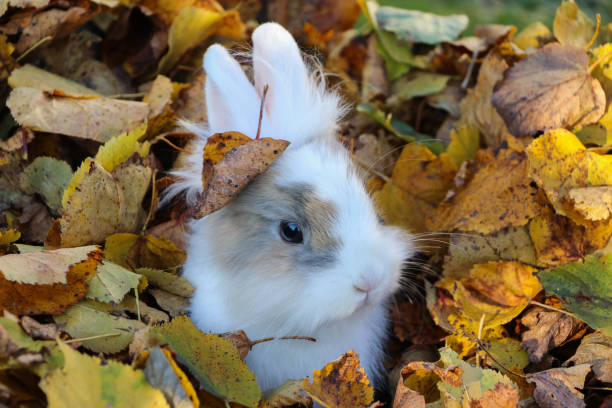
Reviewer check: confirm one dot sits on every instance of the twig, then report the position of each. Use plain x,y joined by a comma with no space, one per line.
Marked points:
151,209
598,18
254,342
99,336
32,48
468,75
261,107
127,95
480,326
545,306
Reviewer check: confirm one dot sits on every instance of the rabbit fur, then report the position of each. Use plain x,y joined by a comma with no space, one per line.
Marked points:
335,285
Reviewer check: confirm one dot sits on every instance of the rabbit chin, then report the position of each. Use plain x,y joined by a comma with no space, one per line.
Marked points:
271,310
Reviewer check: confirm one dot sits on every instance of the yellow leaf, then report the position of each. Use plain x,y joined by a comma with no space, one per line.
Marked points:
86,381
572,26
8,236
143,251
34,77
532,36
557,240
464,143
189,28
559,162
340,384
499,290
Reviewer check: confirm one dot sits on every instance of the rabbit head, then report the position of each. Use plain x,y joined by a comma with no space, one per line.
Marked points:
301,251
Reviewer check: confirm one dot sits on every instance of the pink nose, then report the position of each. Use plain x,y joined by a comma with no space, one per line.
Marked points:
365,284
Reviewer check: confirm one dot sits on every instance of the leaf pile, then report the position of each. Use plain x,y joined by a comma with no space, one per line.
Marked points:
494,148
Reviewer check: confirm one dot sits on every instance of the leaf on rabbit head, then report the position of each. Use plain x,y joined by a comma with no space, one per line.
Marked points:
231,161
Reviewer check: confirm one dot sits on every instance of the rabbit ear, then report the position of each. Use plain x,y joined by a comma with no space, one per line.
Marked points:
297,104
231,100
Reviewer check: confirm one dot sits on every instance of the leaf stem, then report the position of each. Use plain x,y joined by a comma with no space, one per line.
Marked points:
32,48
590,44
483,348
598,61
261,108
545,306
99,336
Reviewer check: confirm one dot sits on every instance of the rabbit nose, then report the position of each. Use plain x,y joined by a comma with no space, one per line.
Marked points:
365,284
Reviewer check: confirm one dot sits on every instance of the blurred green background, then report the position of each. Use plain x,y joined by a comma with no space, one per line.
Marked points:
518,12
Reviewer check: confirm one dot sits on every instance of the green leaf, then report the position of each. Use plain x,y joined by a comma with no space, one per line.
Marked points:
177,285
85,319
87,381
214,360
14,338
48,177
111,283
400,129
586,288
419,84
415,26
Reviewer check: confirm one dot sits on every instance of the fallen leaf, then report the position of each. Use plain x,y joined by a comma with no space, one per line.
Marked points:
191,101
177,285
340,384
30,76
143,251
557,387
593,203
533,36
97,119
8,236
85,381
412,322
464,143
572,26
558,163
39,331
418,84
556,239
231,161
596,350
111,283
175,305
213,360
13,339
48,177
547,330
498,195
586,288
549,89
288,394
498,290
85,319
476,108
32,298
467,250
508,353
22,4
164,374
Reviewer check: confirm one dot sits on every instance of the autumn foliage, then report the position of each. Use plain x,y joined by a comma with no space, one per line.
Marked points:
493,149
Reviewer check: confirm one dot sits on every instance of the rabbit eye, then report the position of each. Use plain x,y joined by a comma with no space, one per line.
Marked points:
291,232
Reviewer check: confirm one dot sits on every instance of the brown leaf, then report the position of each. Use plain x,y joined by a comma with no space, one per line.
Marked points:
407,398
287,395
340,384
97,119
173,304
231,161
32,299
501,177
593,203
547,330
240,340
143,251
411,321
549,89
595,349
191,101
477,109
557,387
557,239
39,331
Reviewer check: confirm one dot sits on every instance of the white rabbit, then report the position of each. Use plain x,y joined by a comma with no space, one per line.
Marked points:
301,251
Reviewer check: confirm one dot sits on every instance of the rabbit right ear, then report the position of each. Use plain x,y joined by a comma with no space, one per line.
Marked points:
231,100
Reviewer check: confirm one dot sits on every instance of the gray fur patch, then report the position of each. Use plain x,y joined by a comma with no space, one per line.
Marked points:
249,228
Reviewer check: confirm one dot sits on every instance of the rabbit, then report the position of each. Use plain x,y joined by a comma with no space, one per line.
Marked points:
301,250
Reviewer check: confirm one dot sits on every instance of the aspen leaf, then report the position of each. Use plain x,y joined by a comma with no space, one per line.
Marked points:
52,298
464,143
340,384
97,119
231,161
112,283
143,251
549,89
498,195
586,288
595,349
85,319
87,381
572,26
558,387
213,360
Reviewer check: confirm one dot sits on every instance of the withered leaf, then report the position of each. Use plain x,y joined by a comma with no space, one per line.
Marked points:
595,349
340,384
549,89
20,298
143,251
231,161
97,119
557,387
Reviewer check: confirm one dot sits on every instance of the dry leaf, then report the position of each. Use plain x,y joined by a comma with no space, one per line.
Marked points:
231,161
572,26
288,394
97,119
143,251
596,350
593,203
557,388
30,76
340,384
549,89
556,239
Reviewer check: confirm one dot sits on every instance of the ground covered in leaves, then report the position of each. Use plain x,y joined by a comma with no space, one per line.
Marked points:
492,148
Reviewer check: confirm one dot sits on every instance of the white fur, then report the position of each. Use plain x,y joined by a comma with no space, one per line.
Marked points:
265,299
